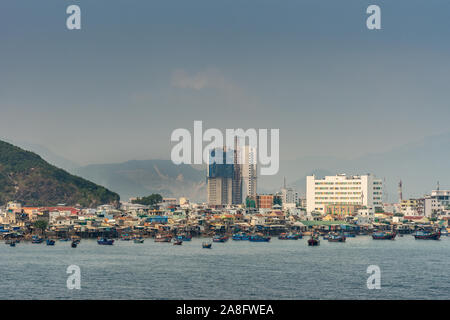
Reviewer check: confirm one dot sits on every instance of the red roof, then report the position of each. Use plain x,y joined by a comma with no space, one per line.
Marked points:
72,210
413,217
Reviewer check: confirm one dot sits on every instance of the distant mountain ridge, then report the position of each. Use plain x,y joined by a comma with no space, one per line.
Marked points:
137,178
419,165
27,178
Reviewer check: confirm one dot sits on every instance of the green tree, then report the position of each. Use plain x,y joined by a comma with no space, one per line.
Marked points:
151,200
250,203
41,225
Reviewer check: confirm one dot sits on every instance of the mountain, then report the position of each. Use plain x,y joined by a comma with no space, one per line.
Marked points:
138,178
46,154
27,178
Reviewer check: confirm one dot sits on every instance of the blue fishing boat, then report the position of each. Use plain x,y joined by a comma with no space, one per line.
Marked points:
383,235
36,239
184,237
206,245
259,238
349,235
105,241
240,236
50,242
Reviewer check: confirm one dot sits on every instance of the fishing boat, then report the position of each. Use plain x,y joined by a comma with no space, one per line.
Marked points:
178,243
184,237
220,239
285,236
125,237
163,238
384,235
50,242
334,237
240,236
105,241
36,239
349,235
74,244
259,238
138,240
206,245
427,235
314,240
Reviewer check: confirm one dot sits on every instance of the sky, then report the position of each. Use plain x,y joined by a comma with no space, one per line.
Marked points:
116,89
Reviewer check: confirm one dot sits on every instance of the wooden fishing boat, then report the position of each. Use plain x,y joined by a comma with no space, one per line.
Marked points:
384,235
163,238
105,241
314,240
220,239
206,245
334,237
427,235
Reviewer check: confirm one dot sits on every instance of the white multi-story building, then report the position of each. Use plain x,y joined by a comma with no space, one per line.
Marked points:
343,190
438,201
289,195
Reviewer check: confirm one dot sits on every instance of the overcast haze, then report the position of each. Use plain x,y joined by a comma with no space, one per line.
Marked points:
137,70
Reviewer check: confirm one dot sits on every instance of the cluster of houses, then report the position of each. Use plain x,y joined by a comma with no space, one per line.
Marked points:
181,216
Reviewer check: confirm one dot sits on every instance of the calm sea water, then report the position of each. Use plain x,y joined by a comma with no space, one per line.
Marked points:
410,269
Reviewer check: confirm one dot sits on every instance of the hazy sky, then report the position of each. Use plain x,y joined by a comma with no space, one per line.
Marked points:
137,70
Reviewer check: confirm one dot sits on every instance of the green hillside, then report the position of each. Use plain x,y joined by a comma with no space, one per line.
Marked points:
25,177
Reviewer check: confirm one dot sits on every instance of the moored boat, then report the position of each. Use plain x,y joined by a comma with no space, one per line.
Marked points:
240,236
220,239
334,237
206,245
50,242
259,238
314,240
178,243
184,237
427,235
36,239
384,235
105,241
138,240
285,236
74,244
163,238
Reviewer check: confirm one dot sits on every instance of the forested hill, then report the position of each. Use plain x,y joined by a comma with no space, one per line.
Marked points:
27,178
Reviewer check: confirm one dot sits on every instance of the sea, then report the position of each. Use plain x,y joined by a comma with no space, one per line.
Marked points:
279,269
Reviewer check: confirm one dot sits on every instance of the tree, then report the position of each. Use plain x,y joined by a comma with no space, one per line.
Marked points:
41,225
151,200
